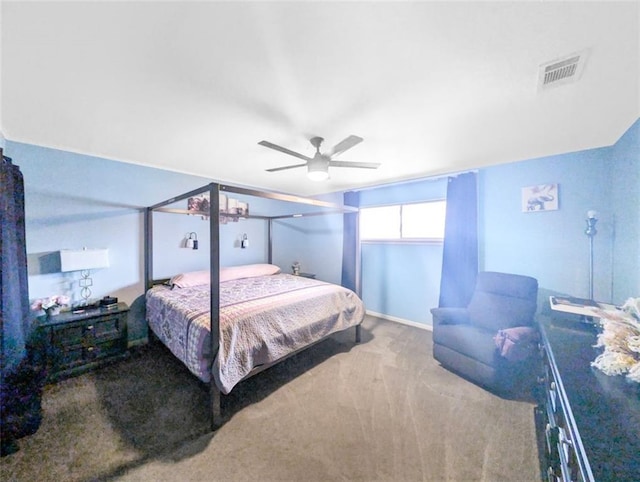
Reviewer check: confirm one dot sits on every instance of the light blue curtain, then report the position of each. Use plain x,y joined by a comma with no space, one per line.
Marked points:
460,249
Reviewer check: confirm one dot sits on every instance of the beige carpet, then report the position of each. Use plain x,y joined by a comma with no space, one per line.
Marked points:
382,410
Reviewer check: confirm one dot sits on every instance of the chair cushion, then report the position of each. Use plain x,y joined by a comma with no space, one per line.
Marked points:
503,300
471,341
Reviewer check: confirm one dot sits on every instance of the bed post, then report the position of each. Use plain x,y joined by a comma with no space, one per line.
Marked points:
148,251
214,268
148,262
358,271
270,241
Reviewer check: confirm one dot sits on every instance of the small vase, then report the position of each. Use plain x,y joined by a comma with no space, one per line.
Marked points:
53,311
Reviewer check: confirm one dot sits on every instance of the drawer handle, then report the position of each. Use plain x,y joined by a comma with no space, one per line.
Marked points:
563,448
564,440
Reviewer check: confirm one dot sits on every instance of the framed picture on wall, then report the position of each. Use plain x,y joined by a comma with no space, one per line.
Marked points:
543,197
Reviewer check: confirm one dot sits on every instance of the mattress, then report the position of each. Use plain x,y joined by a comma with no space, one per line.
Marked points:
262,319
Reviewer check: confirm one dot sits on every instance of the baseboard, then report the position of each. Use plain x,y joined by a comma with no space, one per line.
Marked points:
415,324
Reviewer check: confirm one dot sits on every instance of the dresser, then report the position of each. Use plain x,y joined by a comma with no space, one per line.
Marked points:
77,342
588,423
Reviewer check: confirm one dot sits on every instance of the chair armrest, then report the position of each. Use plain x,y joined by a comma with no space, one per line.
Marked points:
450,316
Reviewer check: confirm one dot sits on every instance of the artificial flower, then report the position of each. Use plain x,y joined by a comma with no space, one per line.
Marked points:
55,301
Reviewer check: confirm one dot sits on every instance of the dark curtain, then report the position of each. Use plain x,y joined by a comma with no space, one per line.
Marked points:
350,243
22,372
460,250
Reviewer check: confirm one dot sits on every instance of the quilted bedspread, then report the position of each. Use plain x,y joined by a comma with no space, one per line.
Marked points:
262,319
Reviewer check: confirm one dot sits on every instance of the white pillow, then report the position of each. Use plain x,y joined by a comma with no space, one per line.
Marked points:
195,278
247,271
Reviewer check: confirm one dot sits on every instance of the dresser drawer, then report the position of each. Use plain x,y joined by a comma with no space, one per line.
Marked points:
67,356
67,334
104,328
564,458
104,349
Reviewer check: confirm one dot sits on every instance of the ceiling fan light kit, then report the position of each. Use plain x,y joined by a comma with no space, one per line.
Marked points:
318,165
317,171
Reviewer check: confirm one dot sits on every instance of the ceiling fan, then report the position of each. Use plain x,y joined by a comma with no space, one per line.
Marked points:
318,165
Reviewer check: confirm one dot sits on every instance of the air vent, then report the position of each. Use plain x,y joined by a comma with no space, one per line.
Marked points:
561,71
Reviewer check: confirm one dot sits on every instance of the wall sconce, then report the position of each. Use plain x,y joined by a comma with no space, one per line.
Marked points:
244,243
191,241
84,260
591,231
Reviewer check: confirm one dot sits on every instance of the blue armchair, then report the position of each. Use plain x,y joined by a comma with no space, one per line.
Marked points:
463,338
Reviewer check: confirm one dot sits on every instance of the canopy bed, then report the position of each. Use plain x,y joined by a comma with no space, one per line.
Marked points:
229,323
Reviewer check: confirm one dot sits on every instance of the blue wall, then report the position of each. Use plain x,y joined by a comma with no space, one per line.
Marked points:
315,242
625,203
171,257
548,245
401,281
552,246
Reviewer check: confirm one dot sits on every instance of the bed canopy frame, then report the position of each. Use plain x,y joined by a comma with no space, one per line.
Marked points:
213,214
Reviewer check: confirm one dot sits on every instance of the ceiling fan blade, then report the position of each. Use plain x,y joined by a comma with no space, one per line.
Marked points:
363,165
345,144
283,149
275,169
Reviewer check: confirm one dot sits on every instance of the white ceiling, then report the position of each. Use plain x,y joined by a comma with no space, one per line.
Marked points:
432,87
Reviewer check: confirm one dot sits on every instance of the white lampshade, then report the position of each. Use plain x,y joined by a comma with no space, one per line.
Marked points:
82,259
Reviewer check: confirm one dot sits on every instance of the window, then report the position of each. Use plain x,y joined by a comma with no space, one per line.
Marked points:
380,223
404,222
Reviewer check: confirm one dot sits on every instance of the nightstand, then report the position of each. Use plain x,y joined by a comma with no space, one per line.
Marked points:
77,342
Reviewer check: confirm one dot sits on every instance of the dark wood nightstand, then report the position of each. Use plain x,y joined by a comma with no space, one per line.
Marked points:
77,342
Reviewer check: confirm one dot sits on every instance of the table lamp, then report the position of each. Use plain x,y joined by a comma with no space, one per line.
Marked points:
84,260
